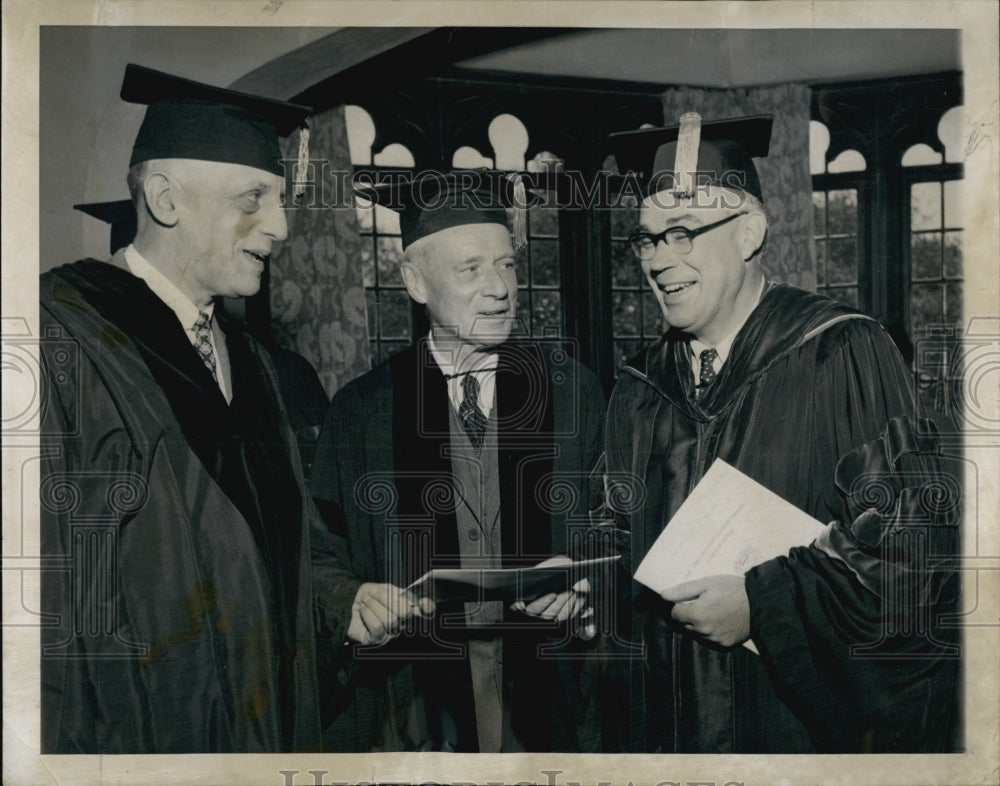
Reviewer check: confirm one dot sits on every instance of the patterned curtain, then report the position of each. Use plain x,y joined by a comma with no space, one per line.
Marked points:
316,290
784,174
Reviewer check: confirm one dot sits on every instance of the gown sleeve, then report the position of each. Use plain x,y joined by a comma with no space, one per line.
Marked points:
853,629
333,585
329,484
68,698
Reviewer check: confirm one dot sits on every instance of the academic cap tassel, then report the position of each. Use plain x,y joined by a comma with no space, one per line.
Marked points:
303,162
519,221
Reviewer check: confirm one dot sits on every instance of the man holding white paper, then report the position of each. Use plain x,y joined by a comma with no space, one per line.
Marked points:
810,400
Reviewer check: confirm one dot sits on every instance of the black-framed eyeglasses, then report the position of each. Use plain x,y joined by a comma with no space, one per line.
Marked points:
680,239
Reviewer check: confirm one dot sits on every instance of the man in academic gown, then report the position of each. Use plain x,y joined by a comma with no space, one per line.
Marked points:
810,399
187,576
468,449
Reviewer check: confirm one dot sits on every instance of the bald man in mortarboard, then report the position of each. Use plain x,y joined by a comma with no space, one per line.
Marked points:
452,454
808,397
191,579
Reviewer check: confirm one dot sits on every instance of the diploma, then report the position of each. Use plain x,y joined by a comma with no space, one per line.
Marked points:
727,525
472,585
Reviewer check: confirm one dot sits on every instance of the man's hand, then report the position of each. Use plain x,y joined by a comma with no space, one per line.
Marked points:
715,607
379,612
564,605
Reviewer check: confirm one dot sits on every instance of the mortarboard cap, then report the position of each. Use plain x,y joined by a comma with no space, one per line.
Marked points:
433,201
694,153
186,119
120,215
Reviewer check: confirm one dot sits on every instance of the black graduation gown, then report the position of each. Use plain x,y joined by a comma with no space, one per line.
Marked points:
382,476
305,401
815,404
187,572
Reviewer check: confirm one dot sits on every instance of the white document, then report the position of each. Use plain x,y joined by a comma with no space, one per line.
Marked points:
727,525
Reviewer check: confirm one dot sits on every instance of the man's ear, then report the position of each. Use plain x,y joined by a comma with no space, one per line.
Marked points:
414,281
160,195
754,230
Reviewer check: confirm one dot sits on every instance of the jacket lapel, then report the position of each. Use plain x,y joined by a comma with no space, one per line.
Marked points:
526,448
420,434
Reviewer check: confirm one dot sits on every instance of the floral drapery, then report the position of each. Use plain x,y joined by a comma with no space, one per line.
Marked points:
784,174
317,296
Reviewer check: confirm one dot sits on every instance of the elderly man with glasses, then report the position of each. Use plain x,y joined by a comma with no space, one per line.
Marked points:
811,400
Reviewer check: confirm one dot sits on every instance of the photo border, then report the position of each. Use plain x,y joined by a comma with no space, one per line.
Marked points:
22,20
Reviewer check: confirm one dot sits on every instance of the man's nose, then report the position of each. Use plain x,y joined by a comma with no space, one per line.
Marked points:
274,225
664,257
495,284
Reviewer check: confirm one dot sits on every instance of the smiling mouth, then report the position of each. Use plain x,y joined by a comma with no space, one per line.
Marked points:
673,289
259,256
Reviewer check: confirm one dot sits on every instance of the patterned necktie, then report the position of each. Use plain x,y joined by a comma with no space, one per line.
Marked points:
203,341
707,371
472,416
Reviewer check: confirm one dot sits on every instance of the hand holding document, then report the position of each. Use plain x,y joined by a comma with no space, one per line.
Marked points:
571,603
380,611
727,525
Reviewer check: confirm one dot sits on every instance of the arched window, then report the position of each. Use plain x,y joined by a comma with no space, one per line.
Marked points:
390,323
467,157
509,139
636,319
887,204
935,228
836,230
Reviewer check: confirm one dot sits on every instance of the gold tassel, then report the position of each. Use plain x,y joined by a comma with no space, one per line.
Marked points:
519,221
686,159
303,162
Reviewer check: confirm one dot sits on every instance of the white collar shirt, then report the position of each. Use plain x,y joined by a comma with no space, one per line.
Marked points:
184,309
482,365
723,348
